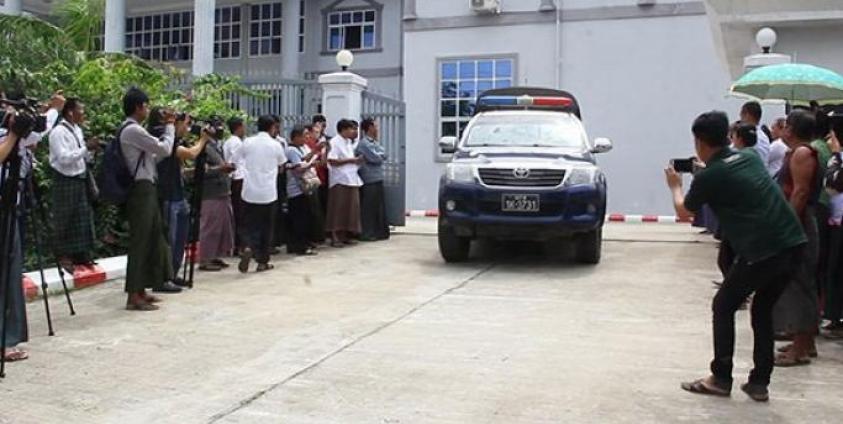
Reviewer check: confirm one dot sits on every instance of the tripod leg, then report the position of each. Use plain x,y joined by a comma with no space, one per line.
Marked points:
40,262
42,211
66,291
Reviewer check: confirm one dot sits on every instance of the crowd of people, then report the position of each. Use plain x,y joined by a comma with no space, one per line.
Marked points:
776,207
245,196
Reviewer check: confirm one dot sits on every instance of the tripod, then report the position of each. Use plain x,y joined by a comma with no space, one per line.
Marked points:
9,189
193,220
35,202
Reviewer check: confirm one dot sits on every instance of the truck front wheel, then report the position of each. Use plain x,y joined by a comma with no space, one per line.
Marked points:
452,247
589,246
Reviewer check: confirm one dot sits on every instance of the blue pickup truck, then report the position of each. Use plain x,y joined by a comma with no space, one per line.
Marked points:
524,169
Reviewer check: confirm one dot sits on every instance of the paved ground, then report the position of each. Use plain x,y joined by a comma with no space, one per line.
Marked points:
386,333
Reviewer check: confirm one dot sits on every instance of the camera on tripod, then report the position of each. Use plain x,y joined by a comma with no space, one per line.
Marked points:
27,118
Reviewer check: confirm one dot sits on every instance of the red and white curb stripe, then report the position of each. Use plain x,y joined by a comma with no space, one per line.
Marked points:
107,269
657,219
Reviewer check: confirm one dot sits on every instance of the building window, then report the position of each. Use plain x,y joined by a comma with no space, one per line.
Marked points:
352,30
265,29
162,37
227,32
460,82
302,16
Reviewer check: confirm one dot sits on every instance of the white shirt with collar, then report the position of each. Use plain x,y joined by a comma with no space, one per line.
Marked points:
778,150
762,146
67,149
261,156
232,145
346,175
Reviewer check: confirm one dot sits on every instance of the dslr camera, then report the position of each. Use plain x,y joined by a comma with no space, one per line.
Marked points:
214,126
27,118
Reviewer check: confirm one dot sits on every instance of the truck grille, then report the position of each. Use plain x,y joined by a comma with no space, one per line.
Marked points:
507,177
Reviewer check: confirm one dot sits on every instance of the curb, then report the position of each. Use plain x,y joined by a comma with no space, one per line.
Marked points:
656,219
107,269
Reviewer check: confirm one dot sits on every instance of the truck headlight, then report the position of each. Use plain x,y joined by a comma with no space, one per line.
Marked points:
580,176
459,173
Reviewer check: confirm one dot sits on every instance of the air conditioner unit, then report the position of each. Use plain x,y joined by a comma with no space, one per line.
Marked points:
486,6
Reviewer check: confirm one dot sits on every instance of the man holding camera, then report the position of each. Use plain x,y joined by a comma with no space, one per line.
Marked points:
767,239
73,235
17,331
149,263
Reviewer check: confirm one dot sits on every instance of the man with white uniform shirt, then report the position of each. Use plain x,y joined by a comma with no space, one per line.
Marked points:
73,219
238,130
778,149
261,156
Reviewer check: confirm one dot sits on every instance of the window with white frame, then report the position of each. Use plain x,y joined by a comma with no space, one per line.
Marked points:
162,37
227,32
265,29
168,37
460,82
352,30
302,17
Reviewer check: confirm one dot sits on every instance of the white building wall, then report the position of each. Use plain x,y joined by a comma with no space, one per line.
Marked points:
640,82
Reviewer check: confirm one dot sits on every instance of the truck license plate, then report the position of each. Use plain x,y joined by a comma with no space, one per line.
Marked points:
520,203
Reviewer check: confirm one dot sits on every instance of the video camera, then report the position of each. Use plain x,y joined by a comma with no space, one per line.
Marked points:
214,125
27,118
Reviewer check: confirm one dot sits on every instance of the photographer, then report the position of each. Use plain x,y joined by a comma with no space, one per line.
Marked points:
149,263
17,331
73,220
174,206
766,237
216,228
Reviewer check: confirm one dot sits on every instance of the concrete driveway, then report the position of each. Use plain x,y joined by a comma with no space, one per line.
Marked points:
387,333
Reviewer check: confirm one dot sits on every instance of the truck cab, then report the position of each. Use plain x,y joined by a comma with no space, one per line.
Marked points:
524,169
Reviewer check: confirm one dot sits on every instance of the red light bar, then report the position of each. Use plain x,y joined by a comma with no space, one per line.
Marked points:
552,101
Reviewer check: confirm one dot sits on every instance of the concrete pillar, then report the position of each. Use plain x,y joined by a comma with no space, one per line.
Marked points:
290,39
115,26
203,37
12,7
342,97
410,10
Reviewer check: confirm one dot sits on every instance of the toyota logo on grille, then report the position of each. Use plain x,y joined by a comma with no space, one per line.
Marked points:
521,173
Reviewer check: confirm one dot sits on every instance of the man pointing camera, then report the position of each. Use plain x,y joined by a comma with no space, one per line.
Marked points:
766,236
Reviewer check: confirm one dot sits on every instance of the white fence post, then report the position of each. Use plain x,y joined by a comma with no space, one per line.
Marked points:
342,97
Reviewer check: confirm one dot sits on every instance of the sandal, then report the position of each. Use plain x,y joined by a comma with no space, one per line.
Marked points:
15,355
220,263
141,307
245,259
786,348
212,267
787,361
265,267
152,299
700,387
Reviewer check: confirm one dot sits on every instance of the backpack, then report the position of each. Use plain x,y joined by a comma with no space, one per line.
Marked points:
115,180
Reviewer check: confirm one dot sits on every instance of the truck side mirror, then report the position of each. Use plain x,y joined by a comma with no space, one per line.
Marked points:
601,145
448,144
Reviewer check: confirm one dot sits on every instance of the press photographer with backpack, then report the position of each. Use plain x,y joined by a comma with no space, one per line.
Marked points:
149,262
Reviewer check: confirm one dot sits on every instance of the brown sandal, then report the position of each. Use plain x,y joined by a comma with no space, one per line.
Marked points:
141,307
786,360
265,267
786,348
700,387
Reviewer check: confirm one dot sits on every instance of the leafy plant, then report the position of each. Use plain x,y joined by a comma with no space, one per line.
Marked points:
82,22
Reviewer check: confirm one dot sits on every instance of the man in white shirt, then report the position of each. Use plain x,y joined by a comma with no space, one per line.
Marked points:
343,220
238,130
751,114
778,149
73,219
280,236
261,156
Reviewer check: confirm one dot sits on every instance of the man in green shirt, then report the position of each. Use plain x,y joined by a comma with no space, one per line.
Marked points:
766,236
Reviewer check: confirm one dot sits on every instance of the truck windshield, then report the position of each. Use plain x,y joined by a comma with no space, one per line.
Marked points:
556,130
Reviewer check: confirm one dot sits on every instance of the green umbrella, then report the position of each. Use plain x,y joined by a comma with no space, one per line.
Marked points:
793,82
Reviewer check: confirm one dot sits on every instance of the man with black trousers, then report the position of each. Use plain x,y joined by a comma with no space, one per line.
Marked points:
767,239
262,157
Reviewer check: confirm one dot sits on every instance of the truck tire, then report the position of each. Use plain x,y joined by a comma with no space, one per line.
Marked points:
452,247
589,247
